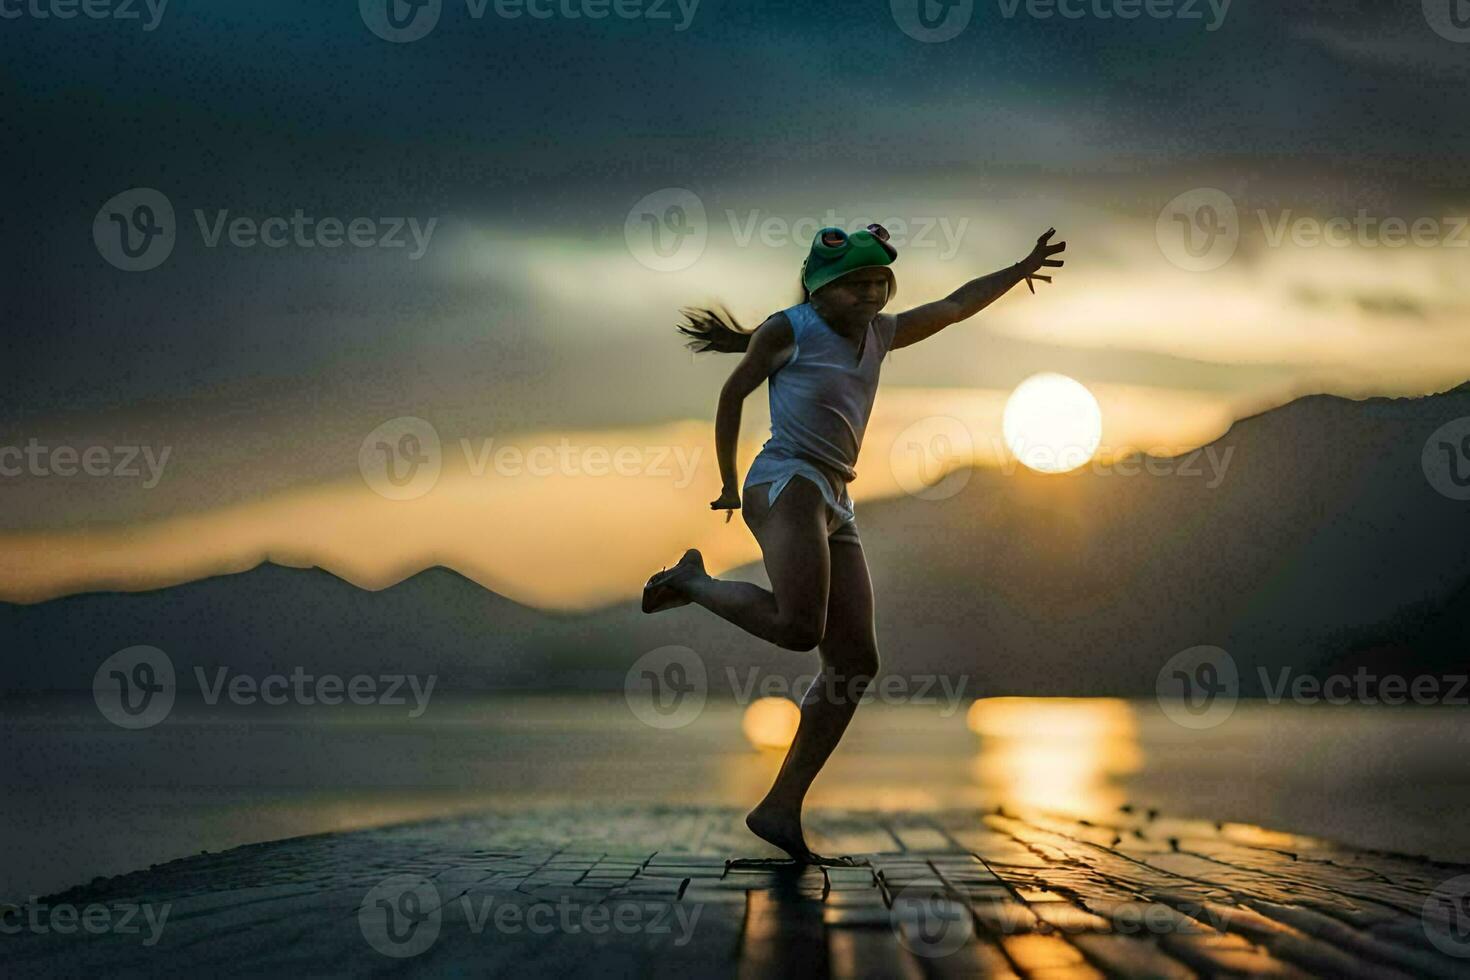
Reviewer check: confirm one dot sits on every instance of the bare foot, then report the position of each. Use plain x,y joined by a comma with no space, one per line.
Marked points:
665,589
780,827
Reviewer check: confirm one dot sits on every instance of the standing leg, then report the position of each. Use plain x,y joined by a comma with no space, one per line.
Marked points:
849,662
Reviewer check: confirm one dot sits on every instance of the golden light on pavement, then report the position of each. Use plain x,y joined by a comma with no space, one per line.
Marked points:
770,723
1060,754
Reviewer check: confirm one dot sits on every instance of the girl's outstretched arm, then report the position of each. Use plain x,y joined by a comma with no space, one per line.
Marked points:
771,346
927,320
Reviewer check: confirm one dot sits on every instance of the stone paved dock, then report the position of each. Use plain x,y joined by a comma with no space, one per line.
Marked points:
602,891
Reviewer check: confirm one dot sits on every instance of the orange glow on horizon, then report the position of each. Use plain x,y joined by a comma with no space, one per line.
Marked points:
563,541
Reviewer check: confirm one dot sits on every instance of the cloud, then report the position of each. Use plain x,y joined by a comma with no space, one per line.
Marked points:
1388,43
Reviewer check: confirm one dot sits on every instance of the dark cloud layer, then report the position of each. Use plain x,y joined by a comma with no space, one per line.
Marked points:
558,124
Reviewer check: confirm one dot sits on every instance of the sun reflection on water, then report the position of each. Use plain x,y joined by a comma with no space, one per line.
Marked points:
1062,754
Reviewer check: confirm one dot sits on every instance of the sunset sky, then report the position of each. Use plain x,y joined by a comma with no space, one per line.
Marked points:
536,315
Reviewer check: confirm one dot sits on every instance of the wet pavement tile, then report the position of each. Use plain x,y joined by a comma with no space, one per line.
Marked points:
676,891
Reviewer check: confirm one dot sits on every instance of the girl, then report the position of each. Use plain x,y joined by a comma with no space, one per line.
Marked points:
821,360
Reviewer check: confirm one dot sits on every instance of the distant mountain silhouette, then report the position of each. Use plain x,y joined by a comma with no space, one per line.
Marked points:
1432,636
1324,538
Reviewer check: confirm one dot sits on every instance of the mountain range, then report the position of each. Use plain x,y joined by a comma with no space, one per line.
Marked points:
1314,540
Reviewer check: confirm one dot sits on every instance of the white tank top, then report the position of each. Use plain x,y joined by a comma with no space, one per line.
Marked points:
822,396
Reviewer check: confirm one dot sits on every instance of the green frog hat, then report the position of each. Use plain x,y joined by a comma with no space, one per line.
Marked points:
835,253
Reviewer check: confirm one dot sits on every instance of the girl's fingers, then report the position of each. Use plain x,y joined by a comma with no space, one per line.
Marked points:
1043,279
1055,263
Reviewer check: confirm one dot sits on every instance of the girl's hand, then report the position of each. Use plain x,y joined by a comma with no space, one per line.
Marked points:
729,502
1041,256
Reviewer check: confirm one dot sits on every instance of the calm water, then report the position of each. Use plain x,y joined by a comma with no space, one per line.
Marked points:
83,798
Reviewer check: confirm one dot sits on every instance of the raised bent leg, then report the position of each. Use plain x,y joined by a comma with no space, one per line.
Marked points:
793,537
849,662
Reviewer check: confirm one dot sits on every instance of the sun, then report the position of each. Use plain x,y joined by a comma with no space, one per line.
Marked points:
1052,423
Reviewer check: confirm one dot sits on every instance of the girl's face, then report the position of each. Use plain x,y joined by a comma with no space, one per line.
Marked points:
860,294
